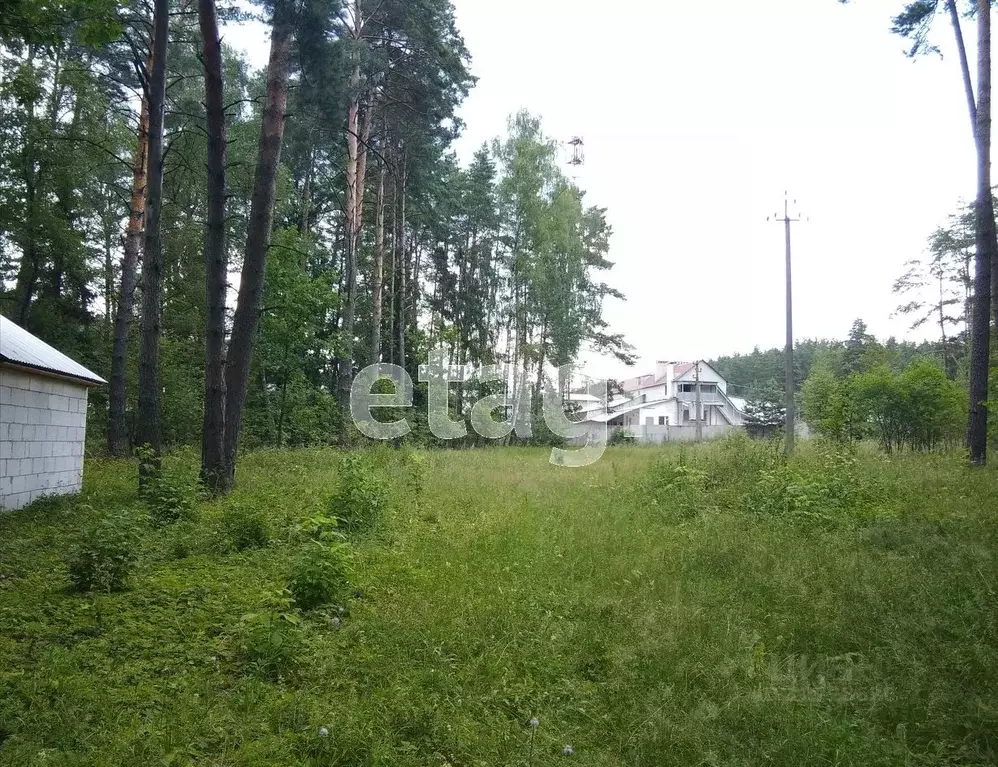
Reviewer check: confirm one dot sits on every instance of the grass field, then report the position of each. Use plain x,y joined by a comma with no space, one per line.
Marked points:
705,607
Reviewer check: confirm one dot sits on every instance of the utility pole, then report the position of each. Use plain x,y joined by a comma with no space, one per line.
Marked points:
698,408
789,350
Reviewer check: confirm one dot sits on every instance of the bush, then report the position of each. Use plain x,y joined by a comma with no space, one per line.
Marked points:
245,527
104,556
270,643
620,437
169,498
676,488
361,496
319,573
183,540
828,486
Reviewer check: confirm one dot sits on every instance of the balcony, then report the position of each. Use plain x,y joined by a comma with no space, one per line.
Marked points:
706,398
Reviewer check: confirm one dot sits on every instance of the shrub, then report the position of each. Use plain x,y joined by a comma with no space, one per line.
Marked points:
361,495
415,474
245,527
270,643
827,486
104,556
675,487
620,437
183,540
169,498
319,573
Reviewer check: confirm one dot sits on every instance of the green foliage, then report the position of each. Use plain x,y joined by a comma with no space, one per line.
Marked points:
826,487
105,554
270,643
676,489
918,409
245,526
319,574
620,436
361,496
854,633
170,497
765,412
829,407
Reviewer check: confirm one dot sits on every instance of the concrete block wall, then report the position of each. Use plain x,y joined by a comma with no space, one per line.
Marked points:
42,432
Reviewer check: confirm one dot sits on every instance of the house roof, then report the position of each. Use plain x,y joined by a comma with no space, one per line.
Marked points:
685,368
682,368
19,347
641,382
604,417
651,379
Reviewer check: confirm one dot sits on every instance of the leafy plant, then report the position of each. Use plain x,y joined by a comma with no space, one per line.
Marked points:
620,437
361,496
319,573
104,556
677,488
169,497
245,527
270,642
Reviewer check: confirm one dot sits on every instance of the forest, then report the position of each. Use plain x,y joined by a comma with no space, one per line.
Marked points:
227,247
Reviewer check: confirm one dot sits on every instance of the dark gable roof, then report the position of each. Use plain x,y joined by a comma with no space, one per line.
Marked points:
19,347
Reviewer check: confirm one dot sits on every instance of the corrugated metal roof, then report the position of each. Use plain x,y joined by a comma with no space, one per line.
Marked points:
19,347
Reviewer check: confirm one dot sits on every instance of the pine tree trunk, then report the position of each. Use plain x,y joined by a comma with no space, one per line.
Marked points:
148,427
977,428
378,269
344,376
392,269
247,315
400,250
117,433
215,262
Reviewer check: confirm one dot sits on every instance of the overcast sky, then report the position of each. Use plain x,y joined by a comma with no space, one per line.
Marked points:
696,117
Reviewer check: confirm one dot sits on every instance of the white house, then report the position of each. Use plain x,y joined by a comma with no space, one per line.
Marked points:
43,418
662,406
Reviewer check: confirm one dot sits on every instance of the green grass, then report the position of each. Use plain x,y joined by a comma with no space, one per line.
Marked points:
646,616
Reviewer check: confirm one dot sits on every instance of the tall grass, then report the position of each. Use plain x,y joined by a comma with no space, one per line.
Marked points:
683,606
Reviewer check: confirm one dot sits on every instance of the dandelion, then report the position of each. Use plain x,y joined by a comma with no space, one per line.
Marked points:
567,751
323,732
533,722
335,621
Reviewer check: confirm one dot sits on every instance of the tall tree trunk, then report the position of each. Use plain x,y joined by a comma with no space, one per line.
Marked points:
378,269
980,336
117,433
400,259
353,203
148,428
215,262
27,273
968,86
393,269
247,316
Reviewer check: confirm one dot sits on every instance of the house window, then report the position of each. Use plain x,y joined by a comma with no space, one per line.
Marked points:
663,420
686,415
686,387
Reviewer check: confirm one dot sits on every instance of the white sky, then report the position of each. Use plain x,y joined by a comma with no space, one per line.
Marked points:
696,117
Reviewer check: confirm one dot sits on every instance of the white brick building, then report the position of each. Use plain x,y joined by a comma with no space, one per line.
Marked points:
43,418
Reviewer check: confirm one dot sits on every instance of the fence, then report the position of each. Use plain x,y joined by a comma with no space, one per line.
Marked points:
659,434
